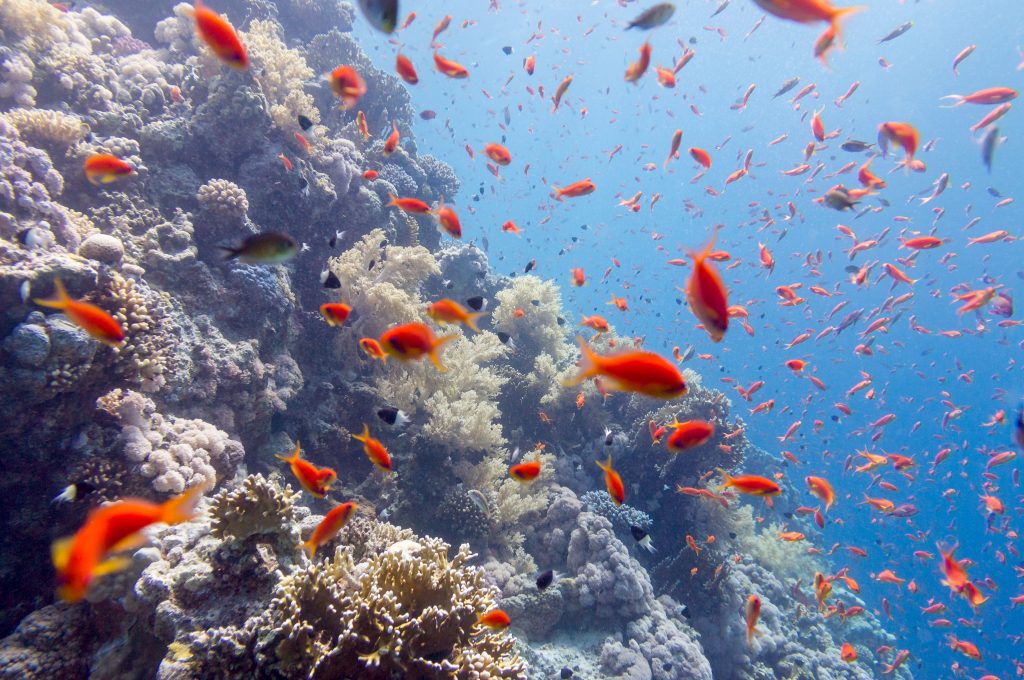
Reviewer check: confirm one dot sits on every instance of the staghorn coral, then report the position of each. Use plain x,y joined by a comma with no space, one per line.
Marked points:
53,130
258,506
280,73
174,453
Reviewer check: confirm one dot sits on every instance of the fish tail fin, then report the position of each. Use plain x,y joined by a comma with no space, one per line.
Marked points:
434,358
958,100
230,253
310,547
839,15
727,480
182,508
558,193
607,465
296,455
471,321
588,364
365,435
393,200
708,249
60,300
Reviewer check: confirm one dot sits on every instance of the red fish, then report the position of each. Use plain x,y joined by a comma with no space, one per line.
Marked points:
637,69
447,311
373,349
374,449
498,154
632,371
613,482
90,318
688,435
452,69
753,612
335,313
495,619
525,472
391,143
707,294
329,527
347,85
575,190
753,485
220,36
316,481
103,168
108,529
413,341
405,69
449,220
409,205
901,134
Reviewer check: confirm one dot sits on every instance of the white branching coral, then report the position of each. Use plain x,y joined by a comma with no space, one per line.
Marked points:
47,129
537,329
174,453
280,72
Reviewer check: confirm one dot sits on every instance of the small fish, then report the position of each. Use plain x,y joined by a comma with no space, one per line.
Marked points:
507,49
613,482
330,280
316,481
707,294
787,86
653,17
104,168
478,500
506,339
373,349
374,449
447,311
688,435
335,313
97,323
530,266
751,484
266,248
632,371
642,538
382,14
413,341
347,85
525,472
753,612
545,579
495,619
963,54
428,114
393,416
477,303
856,146
329,527
609,437
897,32
988,146
73,492
304,122
721,8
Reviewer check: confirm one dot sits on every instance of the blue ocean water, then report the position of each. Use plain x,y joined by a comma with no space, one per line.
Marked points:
977,372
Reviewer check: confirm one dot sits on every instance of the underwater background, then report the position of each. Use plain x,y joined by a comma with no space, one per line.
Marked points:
227,365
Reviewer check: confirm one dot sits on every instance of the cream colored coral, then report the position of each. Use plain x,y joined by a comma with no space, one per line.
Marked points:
224,197
146,352
258,506
281,73
47,129
538,328
16,73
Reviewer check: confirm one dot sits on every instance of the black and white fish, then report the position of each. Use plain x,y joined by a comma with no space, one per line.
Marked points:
642,539
329,279
382,14
393,416
73,492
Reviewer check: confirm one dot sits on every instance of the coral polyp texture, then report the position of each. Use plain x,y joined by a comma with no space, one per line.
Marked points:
206,213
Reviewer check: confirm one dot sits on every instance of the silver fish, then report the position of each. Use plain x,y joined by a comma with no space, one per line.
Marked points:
478,500
721,8
653,17
897,32
787,86
940,185
856,146
382,14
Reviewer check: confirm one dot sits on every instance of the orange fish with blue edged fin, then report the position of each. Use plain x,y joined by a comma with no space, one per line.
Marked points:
373,349
413,341
374,450
753,485
329,527
90,318
316,481
631,371
110,529
447,311
104,168
612,481
220,36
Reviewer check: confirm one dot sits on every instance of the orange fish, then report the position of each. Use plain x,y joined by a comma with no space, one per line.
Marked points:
612,481
956,575
595,322
498,154
639,67
103,168
111,529
373,349
791,536
796,365
822,589
335,313
286,162
364,129
753,612
632,371
446,311
578,277
750,484
529,64
450,68
707,295
562,87
511,228
525,472
371,175
409,205
821,488
413,341
316,481
449,220
374,450
391,143
688,435
329,527
809,12
673,151
901,134
405,69
968,649
847,653
347,85
495,619
701,156
219,36
90,318
575,190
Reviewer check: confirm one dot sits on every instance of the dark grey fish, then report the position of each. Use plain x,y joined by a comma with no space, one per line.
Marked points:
507,49
529,266
848,320
787,86
330,280
904,510
721,8
545,579
653,17
988,146
856,146
852,269
504,337
560,321
382,14
267,248
897,32
476,303
304,122
992,191
837,199
1002,305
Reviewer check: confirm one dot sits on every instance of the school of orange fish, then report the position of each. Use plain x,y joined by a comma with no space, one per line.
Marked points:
116,527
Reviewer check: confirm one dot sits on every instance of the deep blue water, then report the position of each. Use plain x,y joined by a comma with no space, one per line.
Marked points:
912,373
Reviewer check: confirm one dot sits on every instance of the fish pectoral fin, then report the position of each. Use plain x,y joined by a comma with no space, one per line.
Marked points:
111,566
136,540
60,552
